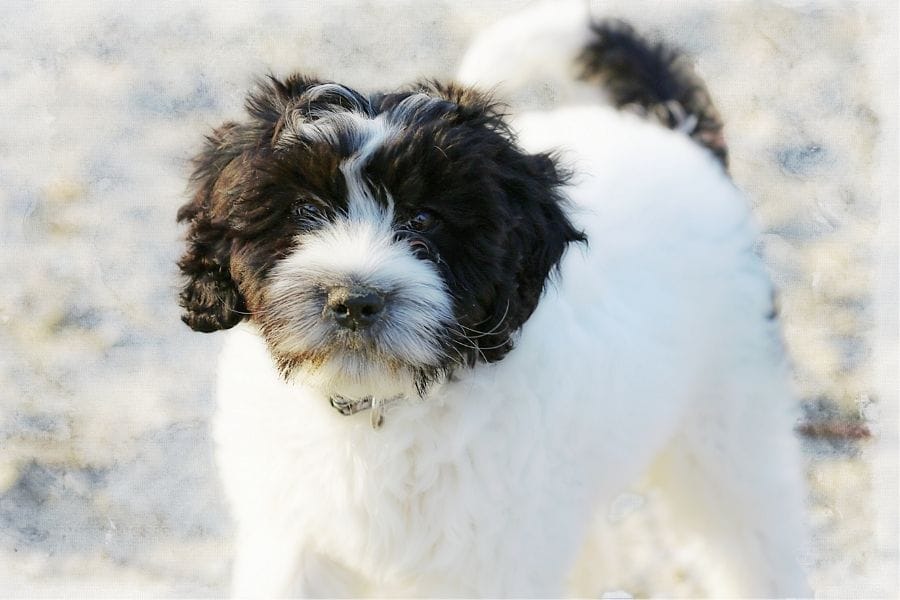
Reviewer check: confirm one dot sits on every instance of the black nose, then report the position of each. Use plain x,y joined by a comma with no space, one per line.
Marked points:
354,307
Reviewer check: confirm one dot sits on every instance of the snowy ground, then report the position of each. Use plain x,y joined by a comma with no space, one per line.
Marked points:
107,486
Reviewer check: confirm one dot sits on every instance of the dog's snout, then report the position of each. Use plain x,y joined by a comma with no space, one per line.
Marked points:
354,307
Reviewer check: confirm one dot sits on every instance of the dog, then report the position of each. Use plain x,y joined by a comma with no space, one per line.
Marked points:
457,336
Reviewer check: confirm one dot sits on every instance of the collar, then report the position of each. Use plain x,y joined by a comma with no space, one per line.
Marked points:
351,406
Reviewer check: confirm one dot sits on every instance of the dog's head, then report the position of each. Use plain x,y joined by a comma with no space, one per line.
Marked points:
378,242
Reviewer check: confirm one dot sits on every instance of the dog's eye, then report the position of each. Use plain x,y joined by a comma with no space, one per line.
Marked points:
423,220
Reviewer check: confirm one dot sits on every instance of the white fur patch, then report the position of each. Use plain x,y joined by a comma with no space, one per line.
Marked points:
530,57
361,203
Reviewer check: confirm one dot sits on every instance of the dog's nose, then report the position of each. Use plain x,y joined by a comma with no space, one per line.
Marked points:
354,307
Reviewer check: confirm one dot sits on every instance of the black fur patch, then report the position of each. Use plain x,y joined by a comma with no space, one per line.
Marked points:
653,79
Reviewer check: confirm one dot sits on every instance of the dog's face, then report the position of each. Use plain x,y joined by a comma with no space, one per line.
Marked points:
377,242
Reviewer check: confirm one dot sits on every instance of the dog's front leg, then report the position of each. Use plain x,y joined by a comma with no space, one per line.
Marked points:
265,566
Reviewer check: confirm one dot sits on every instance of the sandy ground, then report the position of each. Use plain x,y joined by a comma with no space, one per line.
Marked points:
107,484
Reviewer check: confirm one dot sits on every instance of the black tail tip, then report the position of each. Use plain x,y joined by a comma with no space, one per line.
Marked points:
654,80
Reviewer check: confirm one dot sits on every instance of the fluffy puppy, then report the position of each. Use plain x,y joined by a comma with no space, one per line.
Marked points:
453,353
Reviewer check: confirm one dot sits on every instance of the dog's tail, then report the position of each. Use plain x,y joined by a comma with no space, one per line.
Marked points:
654,80
553,54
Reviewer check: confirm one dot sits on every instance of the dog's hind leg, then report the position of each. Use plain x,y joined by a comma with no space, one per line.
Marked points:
734,478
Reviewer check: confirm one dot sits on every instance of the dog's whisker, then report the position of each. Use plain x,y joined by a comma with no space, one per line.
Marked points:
475,346
494,329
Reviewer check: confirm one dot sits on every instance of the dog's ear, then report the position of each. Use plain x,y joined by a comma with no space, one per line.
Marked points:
539,234
546,231
210,298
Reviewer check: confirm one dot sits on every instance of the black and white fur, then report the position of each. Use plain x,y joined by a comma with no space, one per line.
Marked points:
454,352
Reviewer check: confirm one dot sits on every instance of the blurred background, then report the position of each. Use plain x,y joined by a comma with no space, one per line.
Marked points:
107,482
